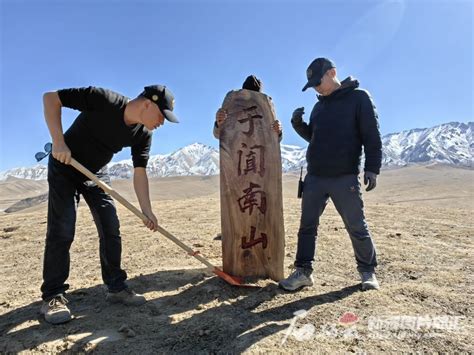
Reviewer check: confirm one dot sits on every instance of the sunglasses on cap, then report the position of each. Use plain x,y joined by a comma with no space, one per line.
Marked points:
48,147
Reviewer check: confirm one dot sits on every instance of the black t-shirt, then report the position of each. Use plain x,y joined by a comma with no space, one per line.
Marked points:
100,130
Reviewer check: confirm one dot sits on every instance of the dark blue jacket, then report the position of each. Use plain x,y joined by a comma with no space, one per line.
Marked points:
340,124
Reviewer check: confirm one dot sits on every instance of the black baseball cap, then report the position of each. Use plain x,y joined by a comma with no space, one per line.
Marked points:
163,98
316,70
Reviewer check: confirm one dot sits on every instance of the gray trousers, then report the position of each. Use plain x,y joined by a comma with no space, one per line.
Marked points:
344,192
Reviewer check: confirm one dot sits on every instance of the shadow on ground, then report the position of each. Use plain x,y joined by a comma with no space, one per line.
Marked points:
190,313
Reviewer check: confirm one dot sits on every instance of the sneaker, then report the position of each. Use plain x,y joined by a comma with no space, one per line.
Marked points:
369,281
126,296
299,278
55,310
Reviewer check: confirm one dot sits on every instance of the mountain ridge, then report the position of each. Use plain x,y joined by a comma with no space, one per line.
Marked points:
449,143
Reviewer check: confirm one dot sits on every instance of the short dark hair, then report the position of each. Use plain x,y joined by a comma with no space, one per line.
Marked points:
252,83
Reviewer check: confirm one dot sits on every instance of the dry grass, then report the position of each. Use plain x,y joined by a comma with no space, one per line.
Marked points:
421,220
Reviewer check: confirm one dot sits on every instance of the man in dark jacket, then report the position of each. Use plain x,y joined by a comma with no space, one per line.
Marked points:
107,123
343,120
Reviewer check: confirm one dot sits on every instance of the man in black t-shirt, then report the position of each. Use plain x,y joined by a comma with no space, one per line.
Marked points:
107,123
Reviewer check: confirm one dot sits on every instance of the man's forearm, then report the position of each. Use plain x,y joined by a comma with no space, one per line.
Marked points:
302,128
140,184
373,157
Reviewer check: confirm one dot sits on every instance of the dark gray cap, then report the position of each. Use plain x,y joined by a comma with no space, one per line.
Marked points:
163,98
316,70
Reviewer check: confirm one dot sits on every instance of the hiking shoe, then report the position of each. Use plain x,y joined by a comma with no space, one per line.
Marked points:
55,310
299,278
369,281
126,296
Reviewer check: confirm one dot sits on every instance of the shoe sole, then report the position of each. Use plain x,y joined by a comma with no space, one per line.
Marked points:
295,290
58,322
54,322
368,288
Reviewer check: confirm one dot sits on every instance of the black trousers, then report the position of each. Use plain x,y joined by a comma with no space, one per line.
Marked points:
65,187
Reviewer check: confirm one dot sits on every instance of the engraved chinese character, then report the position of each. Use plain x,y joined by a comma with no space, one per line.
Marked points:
253,161
253,198
253,241
252,114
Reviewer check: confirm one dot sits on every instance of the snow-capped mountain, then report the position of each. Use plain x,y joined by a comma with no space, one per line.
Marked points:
194,159
450,143
37,172
292,157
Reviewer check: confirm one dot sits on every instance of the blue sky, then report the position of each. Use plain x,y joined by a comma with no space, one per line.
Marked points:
415,57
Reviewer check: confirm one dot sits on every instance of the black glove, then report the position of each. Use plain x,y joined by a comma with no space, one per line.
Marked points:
371,179
298,115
